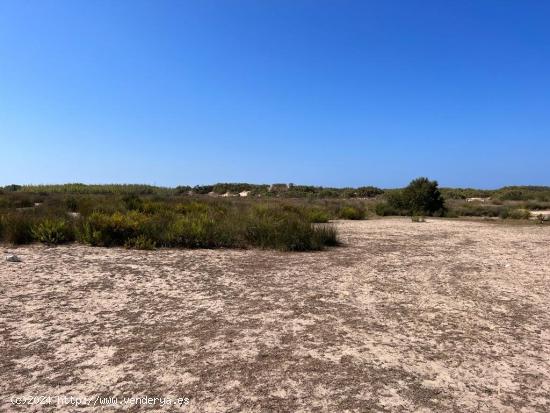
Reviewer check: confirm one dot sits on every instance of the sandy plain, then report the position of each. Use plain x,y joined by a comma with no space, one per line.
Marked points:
430,317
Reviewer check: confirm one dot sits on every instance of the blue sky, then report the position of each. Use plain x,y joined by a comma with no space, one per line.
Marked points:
333,93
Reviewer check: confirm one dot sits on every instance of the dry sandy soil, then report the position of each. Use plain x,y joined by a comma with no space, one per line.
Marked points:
437,316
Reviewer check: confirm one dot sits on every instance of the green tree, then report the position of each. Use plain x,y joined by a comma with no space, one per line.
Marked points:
422,197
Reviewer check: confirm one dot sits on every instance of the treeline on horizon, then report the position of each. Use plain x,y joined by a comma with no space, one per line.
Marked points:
507,193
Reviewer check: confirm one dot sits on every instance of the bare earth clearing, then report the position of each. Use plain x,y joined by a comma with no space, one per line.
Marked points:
440,316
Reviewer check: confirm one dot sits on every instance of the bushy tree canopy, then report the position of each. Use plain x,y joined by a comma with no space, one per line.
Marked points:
420,197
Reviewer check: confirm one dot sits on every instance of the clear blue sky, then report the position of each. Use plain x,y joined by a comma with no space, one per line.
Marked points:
334,93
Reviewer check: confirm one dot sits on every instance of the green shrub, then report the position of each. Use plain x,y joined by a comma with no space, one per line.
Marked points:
106,230
4,202
17,228
477,210
52,231
279,233
316,215
518,214
397,203
420,197
368,192
175,221
513,195
292,208
87,233
383,209
72,204
132,202
197,230
451,213
23,203
152,207
192,207
349,212
141,242
284,230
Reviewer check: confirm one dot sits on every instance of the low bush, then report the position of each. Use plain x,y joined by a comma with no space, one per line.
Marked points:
106,230
192,207
476,210
71,204
17,228
200,230
451,213
24,203
384,209
153,207
487,211
287,231
141,242
349,212
132,202
536,205
516,213
53,231
316,215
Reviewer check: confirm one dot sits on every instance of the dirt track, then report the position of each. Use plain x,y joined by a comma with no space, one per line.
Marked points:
436,316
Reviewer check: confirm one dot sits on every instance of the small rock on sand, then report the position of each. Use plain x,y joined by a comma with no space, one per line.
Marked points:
12,258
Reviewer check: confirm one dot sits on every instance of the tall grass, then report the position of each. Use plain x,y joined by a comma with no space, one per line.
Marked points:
17,228
147,222
279,229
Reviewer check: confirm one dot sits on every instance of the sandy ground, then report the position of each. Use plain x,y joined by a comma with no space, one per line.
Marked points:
437,316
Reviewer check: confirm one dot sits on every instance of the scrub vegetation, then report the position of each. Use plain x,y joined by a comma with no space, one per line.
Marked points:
148,222
279,216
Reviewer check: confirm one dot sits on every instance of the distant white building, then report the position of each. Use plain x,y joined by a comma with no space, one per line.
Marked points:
478,199
244,193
